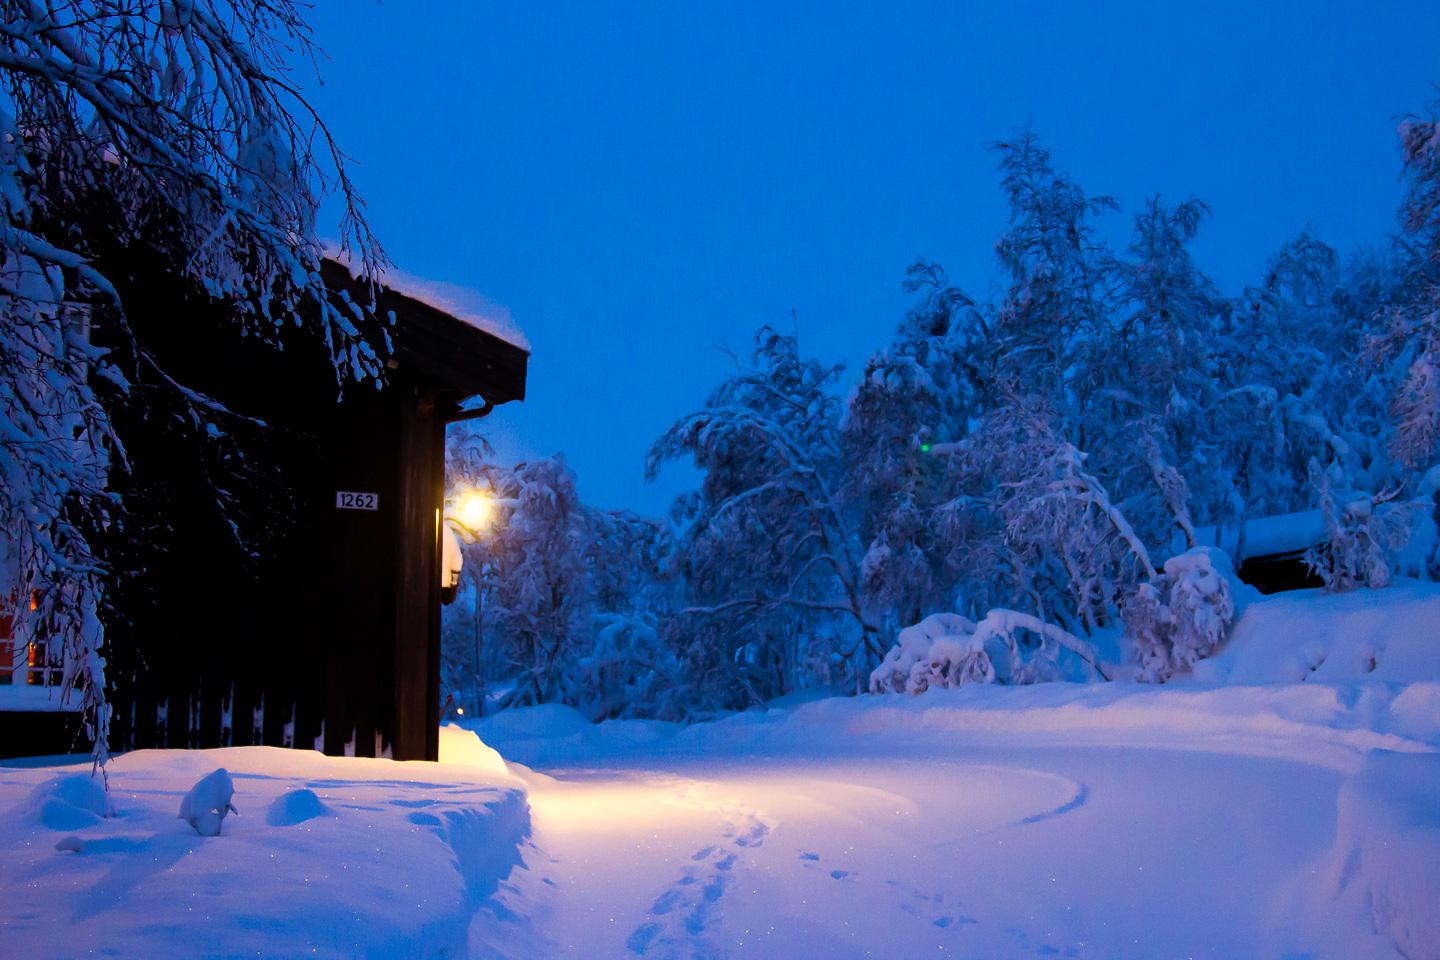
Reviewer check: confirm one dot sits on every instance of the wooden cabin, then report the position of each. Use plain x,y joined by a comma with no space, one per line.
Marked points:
301,606
1269,552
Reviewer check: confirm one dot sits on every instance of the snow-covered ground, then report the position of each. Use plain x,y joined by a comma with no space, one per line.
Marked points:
1059,820
1308,636
1256,819
326,857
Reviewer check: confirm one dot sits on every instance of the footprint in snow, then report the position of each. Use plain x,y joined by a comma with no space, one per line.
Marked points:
921,905
944,923
664,903
810,856
639,941
839,874
754,837
699,918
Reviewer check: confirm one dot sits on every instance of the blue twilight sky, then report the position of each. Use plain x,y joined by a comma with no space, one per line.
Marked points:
641,183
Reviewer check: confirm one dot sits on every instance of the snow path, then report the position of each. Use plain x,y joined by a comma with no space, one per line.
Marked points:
1024,852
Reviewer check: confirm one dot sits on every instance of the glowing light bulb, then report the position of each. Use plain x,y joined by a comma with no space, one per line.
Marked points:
473,510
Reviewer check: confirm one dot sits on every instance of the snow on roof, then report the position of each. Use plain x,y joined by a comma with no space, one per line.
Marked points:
462,303
1264,536
34,698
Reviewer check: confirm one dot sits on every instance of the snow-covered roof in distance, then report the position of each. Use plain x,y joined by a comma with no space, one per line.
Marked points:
1264,536
23,697
462,303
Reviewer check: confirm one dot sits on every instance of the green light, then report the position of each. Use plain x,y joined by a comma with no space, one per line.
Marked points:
924,448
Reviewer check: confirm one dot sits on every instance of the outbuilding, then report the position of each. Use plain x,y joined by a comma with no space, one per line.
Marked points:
282,581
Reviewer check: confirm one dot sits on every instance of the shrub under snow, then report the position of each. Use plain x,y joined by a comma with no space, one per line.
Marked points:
1362,537
939,651
1183,615
948,650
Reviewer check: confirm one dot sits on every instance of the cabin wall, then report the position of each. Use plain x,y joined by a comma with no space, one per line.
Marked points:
245,608
359,560
416,639
325,635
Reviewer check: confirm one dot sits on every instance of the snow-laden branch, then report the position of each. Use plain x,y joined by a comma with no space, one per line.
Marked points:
168,126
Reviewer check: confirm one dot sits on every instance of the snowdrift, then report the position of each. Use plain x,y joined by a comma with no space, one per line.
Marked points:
1387,848
1309,636
1330,726
326,857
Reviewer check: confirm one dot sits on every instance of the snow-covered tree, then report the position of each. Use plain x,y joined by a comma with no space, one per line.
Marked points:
1048,329
1061,547
167,124
540,606
1412,334
1182,615
1152,426
628,669
1271,375
766,543
946,650
1008,477
918,391
1362,535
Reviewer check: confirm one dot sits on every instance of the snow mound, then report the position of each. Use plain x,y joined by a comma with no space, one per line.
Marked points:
544,721
1416,710
1183,615
550,732
465,748
1391,634
396,866
208,802
1333,727
940,651
295,807
70,802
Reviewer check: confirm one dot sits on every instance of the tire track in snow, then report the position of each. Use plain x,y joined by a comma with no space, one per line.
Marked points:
1081,797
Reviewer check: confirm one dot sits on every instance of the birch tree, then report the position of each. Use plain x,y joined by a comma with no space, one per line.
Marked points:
766,538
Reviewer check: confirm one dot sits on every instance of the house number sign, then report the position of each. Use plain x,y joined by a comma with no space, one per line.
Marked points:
356,500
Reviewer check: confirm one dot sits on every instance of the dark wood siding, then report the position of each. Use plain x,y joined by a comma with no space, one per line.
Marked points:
416,639
315,626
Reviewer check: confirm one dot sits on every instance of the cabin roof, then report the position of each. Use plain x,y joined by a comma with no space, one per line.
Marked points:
1286,533
460,351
